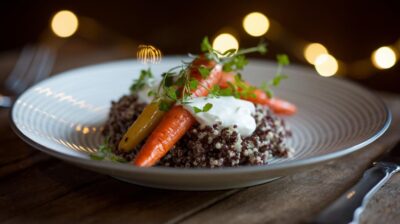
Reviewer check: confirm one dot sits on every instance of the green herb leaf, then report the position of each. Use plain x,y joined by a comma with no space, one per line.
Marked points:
97,156
234,90
180,81
236,63
197,110
238,77
262,48
277,80
282,59
269,93
229,52
105,152
240,83
226,92
164,105
265,87
207,107
214,91
169,79
171,92
240,62
141,81
227,67
193,84
205,45
204,72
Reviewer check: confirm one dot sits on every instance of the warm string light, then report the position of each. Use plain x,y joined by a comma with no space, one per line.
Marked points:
256,24
64,23
384,57
148,54
326,65
313,50
224,42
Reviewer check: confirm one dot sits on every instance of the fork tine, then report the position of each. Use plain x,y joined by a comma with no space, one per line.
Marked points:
21,66
46,66
38,63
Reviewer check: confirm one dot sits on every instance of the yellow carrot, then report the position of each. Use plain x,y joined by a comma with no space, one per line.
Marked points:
142,127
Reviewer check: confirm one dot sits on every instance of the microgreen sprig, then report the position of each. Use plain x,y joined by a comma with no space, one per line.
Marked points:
139,83
232,59
283,60
105,153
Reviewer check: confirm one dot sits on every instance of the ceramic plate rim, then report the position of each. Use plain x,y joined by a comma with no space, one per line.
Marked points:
201,171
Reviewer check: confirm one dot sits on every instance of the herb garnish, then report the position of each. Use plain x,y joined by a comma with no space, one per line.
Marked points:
205,108
105,153
177,83
283,60
143,79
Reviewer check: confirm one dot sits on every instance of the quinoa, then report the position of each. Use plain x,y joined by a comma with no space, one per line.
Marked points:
122,114
207,146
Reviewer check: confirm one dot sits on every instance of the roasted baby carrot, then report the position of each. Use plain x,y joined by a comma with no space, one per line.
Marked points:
278,106
176,122
141,128
282,107
172,127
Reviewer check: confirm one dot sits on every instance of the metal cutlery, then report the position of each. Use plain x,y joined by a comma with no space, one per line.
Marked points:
34,64
349,207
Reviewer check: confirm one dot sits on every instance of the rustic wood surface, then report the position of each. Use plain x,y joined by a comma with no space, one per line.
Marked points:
36,188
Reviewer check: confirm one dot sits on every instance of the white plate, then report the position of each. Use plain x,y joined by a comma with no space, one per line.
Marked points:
63,116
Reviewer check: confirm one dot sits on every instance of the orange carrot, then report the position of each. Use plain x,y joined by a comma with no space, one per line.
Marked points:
278,106
177,121
281,106
225,79
171,128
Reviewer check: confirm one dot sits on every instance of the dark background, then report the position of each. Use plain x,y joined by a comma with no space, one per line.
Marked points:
351,30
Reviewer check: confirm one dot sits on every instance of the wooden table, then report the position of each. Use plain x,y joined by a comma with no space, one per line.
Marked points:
36,188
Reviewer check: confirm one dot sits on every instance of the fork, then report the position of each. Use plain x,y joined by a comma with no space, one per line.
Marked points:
34,64
349,207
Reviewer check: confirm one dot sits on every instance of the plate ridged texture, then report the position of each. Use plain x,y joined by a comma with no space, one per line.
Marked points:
63,116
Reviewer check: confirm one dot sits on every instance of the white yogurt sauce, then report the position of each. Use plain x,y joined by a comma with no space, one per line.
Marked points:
227,110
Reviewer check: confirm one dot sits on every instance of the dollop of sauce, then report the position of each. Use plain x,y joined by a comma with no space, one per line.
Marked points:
227,110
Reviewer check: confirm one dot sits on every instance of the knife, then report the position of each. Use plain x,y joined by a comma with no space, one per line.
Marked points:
349,207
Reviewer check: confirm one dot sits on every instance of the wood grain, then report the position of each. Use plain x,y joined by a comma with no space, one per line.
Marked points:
38,185
112,201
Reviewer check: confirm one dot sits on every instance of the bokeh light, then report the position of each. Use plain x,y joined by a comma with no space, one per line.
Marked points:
148,53
313,50
64,23
224,42
384,57
256,24
326,65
